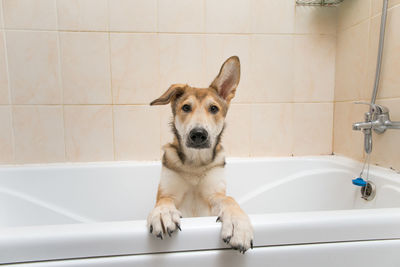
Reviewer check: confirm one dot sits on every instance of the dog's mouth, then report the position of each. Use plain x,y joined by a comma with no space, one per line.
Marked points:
198,138
190,144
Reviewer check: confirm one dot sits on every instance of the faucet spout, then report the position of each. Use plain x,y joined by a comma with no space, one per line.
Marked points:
358,126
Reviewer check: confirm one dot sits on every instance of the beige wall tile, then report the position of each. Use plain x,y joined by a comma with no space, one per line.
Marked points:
137,133
314,68
228,16
133,15
88,133
315,19
386,147
271,130
272,68
6,143
272,16
33,67
313,123
182,60
83,15
135,68
221,47
30,14
85,65
1,15
390,78
236,136
352,12
346,141
181,15
38,133
351,62
378,4
4,92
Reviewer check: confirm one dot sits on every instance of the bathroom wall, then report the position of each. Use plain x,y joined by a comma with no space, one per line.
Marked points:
356,56
76,76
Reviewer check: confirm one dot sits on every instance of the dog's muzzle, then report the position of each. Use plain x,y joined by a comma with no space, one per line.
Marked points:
198,138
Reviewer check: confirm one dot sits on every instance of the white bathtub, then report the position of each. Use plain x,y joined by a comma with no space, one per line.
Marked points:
305,212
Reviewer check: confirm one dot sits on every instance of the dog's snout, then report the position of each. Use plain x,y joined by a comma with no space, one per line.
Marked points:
198,138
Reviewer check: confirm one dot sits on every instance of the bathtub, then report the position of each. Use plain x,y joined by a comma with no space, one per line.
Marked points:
305,212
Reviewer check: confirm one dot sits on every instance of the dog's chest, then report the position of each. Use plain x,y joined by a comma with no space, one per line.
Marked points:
193,204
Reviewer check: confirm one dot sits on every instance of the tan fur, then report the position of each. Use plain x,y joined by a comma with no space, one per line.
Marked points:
192,180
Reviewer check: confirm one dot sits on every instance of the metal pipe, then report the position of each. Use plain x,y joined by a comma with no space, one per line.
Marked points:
380,51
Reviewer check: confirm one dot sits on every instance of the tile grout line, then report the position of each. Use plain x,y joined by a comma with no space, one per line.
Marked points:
173,33
159,69
10,102
111,83
157,16
333,94
204,16
234,103
60,80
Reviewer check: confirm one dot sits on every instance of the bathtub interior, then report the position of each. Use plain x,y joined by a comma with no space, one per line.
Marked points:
82,193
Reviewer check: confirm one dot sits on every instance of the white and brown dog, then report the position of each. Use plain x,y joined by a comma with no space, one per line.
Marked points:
192,178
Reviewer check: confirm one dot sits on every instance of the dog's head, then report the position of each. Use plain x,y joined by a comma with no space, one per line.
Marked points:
199,113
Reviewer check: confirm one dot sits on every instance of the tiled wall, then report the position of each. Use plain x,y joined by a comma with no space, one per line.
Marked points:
76,76
356,55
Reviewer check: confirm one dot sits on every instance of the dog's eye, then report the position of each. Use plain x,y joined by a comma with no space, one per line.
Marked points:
214,109
186,108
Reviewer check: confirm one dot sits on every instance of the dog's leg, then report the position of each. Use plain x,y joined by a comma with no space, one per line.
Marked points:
236,226
164,218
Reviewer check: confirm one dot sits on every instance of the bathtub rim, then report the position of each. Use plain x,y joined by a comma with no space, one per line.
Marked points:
336,159
342,160
72,241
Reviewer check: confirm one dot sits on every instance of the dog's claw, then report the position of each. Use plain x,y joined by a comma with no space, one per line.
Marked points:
160,235
169,232
227,239
218,219
151,229
251,244
178,226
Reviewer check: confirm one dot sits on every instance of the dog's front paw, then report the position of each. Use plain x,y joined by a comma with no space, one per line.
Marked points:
164,220
237,231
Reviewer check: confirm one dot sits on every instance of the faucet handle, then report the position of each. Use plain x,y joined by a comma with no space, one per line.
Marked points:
365,103
375,108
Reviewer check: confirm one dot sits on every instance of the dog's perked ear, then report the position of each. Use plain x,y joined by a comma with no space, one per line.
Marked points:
228,78
172,93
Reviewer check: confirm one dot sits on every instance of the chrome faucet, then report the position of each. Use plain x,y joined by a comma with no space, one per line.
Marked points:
377,119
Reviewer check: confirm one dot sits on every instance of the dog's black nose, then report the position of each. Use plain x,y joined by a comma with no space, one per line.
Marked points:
198,136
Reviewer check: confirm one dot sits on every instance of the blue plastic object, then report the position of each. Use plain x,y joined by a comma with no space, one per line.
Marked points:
359,182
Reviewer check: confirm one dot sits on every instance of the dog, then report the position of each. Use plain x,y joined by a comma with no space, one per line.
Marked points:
192,177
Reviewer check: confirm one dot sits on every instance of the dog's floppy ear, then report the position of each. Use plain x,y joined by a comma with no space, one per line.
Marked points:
172,93
228,78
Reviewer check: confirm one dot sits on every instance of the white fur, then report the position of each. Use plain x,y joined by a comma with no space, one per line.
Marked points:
193,193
